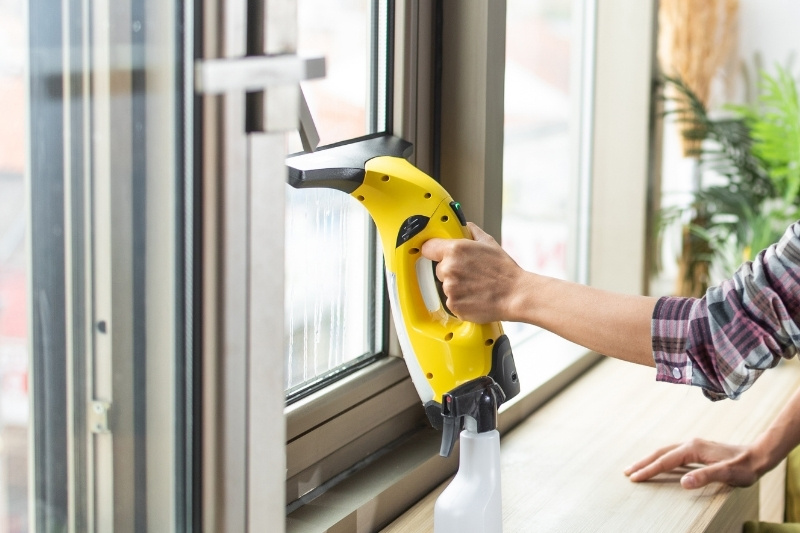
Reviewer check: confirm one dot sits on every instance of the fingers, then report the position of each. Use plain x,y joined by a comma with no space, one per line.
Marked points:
638,465
739,470
695,479
477,276
478,234
708,474
726,463
663,460
434,249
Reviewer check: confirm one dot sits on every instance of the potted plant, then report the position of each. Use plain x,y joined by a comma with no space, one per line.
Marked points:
755,153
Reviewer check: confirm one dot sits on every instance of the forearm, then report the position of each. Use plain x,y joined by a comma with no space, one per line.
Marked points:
780,438
615,325
483,284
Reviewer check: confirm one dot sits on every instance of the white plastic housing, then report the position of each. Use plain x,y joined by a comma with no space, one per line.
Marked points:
472,502
424,388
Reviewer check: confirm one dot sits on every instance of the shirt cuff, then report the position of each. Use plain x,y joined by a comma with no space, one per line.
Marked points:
669,334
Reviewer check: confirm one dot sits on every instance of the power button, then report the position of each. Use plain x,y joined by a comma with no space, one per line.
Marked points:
456,207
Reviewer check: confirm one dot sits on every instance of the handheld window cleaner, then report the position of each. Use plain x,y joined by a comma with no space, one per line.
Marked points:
462,371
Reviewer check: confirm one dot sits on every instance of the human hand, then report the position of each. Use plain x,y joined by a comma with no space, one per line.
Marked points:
739,466
478,277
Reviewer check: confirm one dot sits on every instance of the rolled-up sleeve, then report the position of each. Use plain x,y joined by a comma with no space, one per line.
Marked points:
724,341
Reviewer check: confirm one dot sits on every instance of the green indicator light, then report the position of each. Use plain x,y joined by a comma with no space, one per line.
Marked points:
456,207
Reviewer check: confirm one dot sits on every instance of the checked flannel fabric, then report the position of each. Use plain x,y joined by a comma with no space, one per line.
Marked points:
724,341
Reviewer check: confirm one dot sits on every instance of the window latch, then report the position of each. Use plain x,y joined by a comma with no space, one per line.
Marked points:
98,416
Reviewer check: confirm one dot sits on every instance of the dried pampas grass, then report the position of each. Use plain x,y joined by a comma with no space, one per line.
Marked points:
695,39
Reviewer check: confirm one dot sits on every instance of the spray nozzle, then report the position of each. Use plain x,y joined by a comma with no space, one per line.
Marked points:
479,399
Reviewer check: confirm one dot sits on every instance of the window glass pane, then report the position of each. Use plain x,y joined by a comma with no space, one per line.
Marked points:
538,165
340,30
13,274
334,308
330,278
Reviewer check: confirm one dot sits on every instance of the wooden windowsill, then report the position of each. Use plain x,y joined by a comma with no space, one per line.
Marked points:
562,467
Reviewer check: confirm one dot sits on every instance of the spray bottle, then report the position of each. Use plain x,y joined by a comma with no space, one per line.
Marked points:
472,502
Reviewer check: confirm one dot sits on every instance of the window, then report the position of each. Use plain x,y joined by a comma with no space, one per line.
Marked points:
599,219
548,74
467,162
542,121
158,309
108,142
14,363
334,281
341,407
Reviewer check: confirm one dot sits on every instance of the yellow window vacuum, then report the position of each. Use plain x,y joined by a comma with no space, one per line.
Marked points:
462,371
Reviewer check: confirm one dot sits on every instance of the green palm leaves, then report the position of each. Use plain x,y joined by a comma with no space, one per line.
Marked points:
755,151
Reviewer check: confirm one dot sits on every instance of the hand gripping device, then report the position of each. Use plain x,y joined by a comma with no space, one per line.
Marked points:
409,207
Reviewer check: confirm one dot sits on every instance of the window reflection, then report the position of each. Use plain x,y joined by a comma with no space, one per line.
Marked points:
339,30
537,163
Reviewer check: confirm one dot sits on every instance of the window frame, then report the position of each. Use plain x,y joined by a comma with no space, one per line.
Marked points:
111,373
380,107
384,382
616,61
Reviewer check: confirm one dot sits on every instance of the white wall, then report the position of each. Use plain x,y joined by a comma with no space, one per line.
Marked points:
769,27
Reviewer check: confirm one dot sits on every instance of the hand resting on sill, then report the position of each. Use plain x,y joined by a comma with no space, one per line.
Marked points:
739,466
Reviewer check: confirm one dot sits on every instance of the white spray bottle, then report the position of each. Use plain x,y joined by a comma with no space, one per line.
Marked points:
472,502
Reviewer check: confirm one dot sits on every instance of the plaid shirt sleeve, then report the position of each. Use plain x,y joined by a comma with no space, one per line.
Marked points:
725,340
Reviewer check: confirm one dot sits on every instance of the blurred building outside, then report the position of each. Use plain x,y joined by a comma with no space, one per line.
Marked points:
14,417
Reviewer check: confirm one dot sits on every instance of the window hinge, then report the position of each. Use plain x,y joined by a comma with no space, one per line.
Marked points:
98,416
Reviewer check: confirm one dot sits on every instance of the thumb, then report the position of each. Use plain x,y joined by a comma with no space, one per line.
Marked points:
705,475
433,249
478,234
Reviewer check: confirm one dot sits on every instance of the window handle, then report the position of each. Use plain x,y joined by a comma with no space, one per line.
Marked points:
255,73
